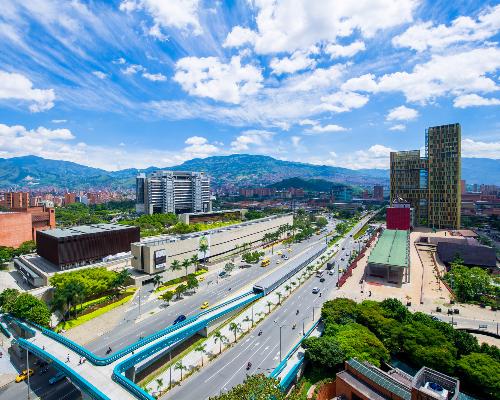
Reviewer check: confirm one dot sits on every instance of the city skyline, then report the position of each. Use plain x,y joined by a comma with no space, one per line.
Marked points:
139,83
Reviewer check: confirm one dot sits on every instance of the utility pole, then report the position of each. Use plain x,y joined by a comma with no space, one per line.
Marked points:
280,326
28,371
170,368
140,300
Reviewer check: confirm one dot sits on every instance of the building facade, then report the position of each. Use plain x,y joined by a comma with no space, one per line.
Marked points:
431,184
173,192
155,255
378,192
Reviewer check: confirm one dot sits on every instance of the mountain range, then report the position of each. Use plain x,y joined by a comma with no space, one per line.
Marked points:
238,170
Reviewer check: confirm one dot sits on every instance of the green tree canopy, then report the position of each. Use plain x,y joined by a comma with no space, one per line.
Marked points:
255,387
481,372
324,351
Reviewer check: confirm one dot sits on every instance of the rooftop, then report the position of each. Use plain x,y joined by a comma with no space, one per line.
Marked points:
391,249
84,230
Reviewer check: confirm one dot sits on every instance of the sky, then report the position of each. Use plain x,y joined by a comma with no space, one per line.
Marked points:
138,83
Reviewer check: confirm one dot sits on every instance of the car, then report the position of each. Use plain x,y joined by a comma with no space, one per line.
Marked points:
24,375
322,279
56,378
315,290
330,272
222,274
280,253
278,261
343,248
289,249
180,318
201,279
342,259
204,305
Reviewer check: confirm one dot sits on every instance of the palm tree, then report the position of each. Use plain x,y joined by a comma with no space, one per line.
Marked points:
289,288
175,266
235,328
219,337
204,248
185,264
167,296
229,268
179,290
247,319
157,281
180,366
279,294
159,384
195,261
201,349
269,304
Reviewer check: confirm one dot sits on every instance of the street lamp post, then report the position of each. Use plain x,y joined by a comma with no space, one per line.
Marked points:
303,326
28,371
280,326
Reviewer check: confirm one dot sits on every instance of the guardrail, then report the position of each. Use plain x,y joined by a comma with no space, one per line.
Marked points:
81,382
130,362
22,325
100,361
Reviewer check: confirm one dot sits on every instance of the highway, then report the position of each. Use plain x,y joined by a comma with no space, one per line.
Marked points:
263,351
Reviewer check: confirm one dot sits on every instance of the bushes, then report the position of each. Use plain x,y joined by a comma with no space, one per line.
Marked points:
481,372
252,256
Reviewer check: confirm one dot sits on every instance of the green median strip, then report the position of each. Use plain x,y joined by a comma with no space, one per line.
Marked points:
94,314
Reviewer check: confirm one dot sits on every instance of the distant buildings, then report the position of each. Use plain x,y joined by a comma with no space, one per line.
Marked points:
69,198
342,194
173,192
20,222
431,184
378,192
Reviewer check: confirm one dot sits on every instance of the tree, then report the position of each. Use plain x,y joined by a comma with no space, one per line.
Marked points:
27,306
167,296
185,264
192,283
195,261
269,304
279,294
235,328
203,249
201,349
393,308
219,337
468,283
180,366
289,288
157,281
255,387
121,279
175,266
321,222
159,384
481,373
7,297
247,319
179,290
324,351
229,268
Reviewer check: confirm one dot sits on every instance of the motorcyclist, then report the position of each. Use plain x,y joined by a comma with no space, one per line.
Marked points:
297,313
294,326
249,365
260,332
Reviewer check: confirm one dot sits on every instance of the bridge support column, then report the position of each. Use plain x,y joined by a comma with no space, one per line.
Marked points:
130,374
85,396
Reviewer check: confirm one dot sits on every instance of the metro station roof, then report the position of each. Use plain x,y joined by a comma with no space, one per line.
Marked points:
391,249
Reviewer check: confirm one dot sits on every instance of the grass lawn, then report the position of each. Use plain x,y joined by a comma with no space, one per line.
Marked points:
361,232
94,314
173,282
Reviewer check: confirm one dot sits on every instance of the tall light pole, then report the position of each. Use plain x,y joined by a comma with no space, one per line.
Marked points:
281,326
28,371
303,330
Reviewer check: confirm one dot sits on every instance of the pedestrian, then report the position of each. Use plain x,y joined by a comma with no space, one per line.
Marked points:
80,361
370,293
67,358
43,348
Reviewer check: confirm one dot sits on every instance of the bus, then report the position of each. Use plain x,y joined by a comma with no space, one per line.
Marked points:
265,262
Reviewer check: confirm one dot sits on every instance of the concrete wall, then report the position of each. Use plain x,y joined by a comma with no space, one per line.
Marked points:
15,228
221,241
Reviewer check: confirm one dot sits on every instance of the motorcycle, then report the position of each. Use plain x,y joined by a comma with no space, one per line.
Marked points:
294,326
108,351
249,365
297,313
260,333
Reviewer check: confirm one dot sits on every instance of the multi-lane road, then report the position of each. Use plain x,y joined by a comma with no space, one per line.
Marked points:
263,351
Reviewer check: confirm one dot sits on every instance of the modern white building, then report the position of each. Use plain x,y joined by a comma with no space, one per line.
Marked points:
155,255
173,192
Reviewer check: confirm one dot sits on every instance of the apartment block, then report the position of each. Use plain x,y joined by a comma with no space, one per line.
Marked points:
173,192
431,184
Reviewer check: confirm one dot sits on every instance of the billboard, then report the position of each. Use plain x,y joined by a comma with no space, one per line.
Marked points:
204,247
160,259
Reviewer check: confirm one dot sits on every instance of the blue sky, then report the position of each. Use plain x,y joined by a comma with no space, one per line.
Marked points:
135,83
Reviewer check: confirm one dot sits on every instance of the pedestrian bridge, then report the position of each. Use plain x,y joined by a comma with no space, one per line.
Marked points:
93,375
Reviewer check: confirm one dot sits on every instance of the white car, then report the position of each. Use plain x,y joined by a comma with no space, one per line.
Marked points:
315,290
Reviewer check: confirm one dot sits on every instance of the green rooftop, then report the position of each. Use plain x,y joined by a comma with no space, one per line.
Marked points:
391,249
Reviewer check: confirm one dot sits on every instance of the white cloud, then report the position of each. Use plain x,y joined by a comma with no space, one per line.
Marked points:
251,138
471,148
402,113
463,29
316,128
473,100
397,127
154,77
179,14
199,147
337,50
454,74
100,74
317,79
239,36
119,61
377,156
18,87
208,77
289,25
363,83
133,69
298,61
342,101
295,141
59,121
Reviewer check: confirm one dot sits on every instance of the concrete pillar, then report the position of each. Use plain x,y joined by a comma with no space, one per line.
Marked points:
85,396
130,374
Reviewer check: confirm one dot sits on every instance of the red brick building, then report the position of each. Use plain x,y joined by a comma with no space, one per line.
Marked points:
15,228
